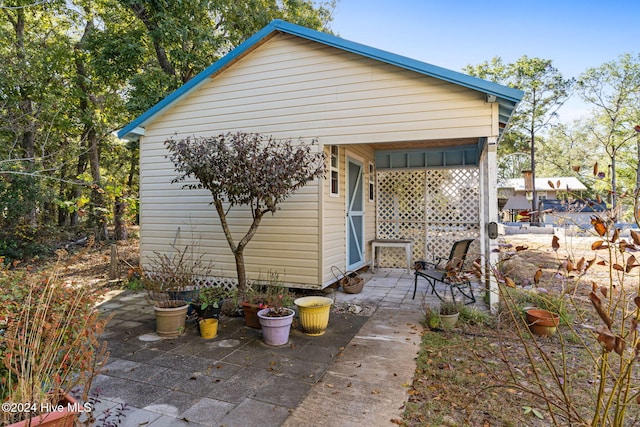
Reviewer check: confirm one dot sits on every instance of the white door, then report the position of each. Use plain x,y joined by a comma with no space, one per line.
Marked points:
355,215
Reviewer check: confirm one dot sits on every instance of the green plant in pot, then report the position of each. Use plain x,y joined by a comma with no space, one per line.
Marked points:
208,303
49,346
270,293
255,300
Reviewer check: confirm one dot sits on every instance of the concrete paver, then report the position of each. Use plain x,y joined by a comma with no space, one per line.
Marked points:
357,373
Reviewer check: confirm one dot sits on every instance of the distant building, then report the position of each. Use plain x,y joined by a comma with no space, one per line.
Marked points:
513,198
564,213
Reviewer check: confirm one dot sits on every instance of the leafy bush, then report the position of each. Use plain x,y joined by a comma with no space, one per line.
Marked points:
23,241
19,195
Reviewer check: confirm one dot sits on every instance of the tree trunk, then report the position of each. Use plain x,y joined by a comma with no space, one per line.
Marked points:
636,213
133,168
98,217
152,28
63,191
614,188
89,133
238,251
76,192
241,272
120,226
27,139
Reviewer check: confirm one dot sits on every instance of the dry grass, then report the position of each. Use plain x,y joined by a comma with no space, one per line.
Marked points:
481,375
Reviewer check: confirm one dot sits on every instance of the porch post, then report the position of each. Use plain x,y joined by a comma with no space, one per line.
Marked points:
489,213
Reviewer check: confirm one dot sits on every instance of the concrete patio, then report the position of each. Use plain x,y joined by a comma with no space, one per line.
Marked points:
357,373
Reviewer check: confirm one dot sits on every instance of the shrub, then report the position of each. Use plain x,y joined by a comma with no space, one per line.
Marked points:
50,340
608,335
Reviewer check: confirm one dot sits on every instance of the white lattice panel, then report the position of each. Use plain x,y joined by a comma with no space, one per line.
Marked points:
433,207
452,209
400,212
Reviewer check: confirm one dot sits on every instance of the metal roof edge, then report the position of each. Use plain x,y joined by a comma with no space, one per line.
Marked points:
197,80
504,92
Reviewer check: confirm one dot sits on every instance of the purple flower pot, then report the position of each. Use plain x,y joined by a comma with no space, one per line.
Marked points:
275,330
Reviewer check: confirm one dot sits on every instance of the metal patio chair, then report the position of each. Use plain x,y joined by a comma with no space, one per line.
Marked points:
447,273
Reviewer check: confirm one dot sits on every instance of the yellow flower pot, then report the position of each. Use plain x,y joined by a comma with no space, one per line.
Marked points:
208,328
314,314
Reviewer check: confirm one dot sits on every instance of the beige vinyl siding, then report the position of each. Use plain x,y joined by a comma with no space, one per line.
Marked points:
286,243
296,88
293,88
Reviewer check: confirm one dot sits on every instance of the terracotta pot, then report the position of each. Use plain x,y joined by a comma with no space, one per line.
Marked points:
63,416
251,314
275,330
542,322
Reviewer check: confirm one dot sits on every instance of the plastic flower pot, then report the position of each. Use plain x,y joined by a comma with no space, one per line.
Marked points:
208,328
275,330
171,317
314,314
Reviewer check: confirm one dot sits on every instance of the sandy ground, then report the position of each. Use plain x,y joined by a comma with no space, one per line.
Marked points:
541,255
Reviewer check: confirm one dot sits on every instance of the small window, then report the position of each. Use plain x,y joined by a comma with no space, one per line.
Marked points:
334,170
372,183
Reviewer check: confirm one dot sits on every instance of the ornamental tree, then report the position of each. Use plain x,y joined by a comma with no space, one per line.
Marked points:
248,169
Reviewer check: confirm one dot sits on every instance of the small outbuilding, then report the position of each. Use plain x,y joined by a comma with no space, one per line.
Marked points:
411,151
513,195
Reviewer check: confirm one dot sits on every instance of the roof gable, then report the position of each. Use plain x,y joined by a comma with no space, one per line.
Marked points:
505,96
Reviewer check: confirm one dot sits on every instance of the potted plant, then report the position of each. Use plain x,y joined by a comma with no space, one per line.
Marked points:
48,346
277,318
255,300
259,295
208,306
171,281
208,302
449,313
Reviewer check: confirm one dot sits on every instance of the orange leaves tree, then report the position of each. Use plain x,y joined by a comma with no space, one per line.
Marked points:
248,169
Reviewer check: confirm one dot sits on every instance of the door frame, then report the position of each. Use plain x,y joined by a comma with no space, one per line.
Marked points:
349,213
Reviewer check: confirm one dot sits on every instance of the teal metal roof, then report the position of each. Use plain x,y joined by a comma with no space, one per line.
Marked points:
507,97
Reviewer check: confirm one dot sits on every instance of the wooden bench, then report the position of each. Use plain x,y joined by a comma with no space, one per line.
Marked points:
391,243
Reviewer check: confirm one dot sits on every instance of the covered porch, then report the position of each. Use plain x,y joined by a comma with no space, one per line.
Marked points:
393,288
430,195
